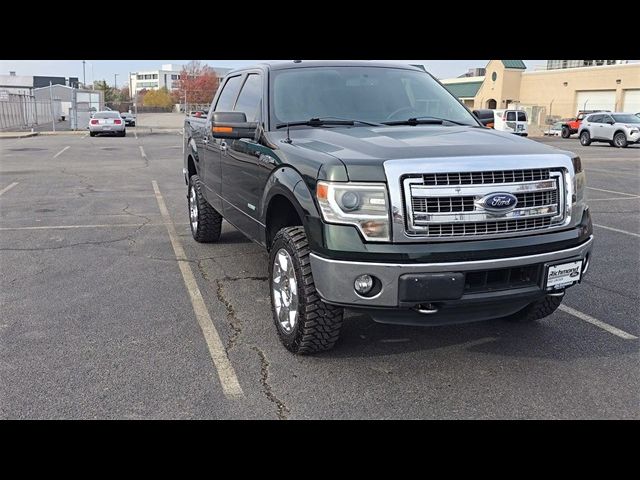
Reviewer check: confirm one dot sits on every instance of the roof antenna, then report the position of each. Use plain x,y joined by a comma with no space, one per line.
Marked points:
288,139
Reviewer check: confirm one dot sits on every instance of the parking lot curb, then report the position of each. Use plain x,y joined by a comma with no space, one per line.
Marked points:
69,132
17,134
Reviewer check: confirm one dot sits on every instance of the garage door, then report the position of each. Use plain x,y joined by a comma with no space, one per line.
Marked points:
596,100
631,101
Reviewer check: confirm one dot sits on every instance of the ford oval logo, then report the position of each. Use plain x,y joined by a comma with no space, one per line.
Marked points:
500,202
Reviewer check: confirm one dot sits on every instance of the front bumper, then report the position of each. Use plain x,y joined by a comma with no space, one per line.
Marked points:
334,278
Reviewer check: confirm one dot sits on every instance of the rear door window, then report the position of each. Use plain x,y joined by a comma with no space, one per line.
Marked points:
522,117
511,116
594,118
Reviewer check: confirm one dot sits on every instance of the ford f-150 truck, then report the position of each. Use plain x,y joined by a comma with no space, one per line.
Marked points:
374,189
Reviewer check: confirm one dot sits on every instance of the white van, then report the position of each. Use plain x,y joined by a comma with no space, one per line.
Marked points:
513,121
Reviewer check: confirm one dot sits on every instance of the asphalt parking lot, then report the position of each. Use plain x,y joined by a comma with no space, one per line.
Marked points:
98,322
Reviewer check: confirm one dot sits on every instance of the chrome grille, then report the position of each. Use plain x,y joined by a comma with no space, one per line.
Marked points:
486,228
475,178
442,204
537,199
451,204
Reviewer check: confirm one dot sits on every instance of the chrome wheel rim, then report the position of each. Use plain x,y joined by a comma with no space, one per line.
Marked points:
583,138
285,290
619,140
193,209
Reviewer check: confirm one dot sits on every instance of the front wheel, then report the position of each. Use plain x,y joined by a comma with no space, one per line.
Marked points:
566,133
620,140
537,310
205,221
304,322
585,138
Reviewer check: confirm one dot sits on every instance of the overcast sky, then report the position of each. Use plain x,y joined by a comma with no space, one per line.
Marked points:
105,69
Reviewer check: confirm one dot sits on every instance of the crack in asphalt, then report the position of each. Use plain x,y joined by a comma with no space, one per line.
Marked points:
282,409
89,187
234,323
237,328
101,242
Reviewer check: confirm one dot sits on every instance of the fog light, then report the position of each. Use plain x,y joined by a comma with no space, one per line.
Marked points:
363,284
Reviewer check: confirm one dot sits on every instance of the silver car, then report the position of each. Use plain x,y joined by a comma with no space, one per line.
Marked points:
617,128
107,122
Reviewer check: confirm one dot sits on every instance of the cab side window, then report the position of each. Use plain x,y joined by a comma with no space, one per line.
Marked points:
228,96
249,101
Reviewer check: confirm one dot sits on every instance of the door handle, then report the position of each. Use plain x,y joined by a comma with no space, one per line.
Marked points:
223,146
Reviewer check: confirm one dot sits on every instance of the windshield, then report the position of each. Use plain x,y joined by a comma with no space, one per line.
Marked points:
372,94
626,118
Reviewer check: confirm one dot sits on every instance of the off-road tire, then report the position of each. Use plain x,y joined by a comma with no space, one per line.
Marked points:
318,326
566,133
209,220
92,134
585,138
537,310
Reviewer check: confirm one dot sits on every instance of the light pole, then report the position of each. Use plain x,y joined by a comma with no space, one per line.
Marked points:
84,75
115,81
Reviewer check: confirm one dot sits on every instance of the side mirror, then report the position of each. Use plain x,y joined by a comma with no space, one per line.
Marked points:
232,125
611,122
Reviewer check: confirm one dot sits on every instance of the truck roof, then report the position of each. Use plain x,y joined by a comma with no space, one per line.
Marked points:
283,65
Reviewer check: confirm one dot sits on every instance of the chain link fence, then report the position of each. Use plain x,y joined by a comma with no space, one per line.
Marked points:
24,112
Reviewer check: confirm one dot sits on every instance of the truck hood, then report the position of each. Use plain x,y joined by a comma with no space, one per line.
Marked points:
363,150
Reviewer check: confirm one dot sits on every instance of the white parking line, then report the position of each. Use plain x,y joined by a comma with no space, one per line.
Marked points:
144,155
135,134
61,151
613,191
612,198
226,373
67,227
6,189
594,321
616,230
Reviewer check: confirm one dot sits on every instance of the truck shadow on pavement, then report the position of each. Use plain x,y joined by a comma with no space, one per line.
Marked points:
547,339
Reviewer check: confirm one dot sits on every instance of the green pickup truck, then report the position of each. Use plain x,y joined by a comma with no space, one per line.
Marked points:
374,189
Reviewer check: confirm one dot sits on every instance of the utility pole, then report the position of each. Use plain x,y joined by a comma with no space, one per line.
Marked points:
115,80
84,76
53,118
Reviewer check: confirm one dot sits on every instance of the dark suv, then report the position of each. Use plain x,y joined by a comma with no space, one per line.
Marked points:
374,189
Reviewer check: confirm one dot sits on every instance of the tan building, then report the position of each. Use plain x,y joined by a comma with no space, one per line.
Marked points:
549,95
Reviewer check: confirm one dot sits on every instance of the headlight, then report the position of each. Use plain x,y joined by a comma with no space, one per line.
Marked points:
364,205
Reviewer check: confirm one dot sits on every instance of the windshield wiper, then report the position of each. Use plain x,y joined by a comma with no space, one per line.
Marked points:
320,122
425,121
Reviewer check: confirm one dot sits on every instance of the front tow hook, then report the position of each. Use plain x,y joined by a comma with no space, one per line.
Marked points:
427,309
